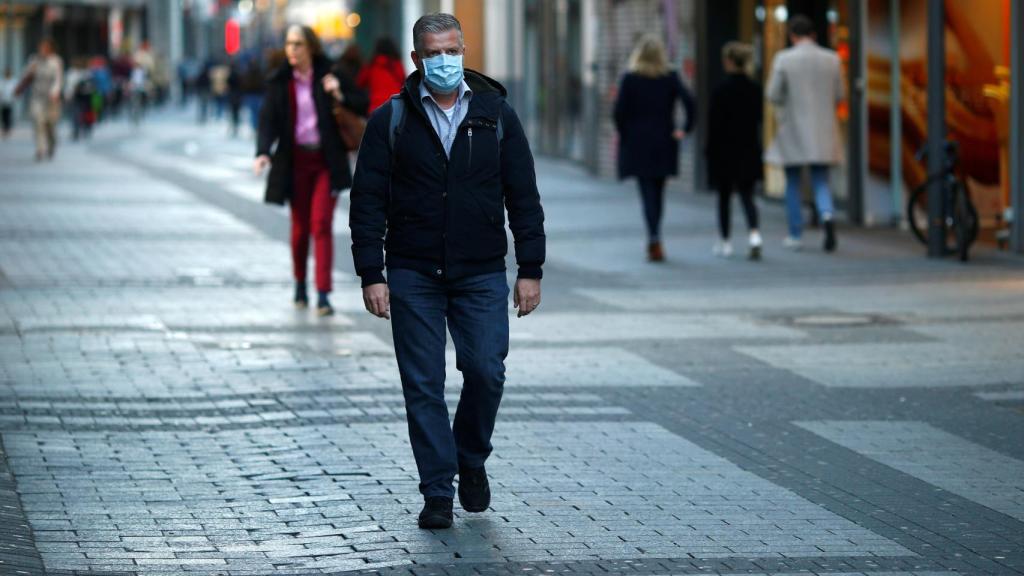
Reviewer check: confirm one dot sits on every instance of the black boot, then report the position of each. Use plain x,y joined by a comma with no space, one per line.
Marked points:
436,513
830,236
474,489
323,305
301,296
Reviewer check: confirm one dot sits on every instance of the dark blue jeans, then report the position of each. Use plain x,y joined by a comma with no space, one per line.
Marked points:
475,310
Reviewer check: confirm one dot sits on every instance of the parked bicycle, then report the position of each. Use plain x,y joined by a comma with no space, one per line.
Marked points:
960,218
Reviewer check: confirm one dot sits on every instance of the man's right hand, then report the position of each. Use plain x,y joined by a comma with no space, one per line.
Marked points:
377,299
260,164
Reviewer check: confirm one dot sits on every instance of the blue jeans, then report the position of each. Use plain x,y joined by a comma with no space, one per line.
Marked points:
476,312
822,196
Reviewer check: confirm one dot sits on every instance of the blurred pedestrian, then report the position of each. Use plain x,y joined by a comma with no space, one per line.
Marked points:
138,93
347,70
384,76
204,90
7,87
351,102
734,145
433,194
649,139
121,71
220,73
44,77
235,96
253,87
805,86
309,167
104,86
79,89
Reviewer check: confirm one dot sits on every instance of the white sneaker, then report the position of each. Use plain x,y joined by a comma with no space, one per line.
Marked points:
755,240
794,244
722,249
755,246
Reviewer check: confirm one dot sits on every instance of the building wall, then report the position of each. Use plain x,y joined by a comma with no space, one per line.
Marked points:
620,23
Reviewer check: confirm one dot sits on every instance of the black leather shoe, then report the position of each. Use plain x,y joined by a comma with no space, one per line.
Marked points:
474,490
830,236
436,513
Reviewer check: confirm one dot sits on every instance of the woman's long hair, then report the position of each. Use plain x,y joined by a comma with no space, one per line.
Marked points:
649,57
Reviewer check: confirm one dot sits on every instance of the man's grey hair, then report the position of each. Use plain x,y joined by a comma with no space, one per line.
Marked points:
436,23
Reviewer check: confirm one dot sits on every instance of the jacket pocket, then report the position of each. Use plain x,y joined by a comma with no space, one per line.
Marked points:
481,147
490,205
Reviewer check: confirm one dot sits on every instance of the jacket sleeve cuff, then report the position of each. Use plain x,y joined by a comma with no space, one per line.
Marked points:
532,272
372,276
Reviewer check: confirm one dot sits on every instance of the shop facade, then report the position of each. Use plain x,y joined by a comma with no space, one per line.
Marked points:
884,123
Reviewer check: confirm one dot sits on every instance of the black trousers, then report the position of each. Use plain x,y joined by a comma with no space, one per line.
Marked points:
652,194
746,193
5,119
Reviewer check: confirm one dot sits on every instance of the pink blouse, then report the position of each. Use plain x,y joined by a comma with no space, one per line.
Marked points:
306,131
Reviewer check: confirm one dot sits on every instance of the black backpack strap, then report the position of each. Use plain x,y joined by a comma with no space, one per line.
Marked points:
397,122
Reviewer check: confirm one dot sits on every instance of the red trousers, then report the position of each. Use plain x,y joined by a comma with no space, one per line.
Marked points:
312,215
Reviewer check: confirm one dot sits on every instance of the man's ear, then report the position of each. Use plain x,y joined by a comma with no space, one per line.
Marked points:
415,58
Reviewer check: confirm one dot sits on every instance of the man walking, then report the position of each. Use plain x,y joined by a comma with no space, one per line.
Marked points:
805,86
439,165
44,76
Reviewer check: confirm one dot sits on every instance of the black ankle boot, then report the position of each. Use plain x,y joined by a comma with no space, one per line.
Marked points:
323,305
301,296
474,489
436,513
830,236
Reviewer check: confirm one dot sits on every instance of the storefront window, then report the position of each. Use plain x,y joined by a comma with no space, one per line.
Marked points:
977,97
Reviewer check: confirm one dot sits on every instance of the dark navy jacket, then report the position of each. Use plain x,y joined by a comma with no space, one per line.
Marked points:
645,118
446,216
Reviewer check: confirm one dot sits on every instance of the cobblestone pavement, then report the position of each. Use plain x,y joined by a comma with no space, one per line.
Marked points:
163,410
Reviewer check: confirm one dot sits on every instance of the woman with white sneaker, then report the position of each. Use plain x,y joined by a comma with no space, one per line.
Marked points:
734,145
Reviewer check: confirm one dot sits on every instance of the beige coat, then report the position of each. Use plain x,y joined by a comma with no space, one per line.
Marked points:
805,86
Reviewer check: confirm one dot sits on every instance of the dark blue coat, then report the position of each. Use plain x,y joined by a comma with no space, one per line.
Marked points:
440,216
645,119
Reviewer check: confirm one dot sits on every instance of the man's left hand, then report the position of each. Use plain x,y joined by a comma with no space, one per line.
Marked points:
527,295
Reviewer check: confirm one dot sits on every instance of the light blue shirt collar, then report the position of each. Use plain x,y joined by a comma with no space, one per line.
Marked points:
465,92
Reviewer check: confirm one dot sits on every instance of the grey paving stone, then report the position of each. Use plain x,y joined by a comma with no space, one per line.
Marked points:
937,457
895,365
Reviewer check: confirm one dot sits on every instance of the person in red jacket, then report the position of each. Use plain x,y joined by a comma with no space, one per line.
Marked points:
385,75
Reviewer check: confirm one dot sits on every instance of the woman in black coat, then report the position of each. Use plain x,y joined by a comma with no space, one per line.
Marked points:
648,139
734,145
310,165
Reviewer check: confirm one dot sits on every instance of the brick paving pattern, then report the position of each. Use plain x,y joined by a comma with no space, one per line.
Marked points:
163,409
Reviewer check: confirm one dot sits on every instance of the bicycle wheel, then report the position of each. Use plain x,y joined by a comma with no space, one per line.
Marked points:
965,221
917,213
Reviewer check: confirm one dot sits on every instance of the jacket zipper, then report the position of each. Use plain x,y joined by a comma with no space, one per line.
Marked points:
469,133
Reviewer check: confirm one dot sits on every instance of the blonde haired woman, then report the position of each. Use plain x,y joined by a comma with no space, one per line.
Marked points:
734,145
648,137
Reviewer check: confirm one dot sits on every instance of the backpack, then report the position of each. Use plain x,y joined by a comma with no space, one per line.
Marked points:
397,124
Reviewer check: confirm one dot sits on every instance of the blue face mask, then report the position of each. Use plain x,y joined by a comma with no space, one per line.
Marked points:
443,73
